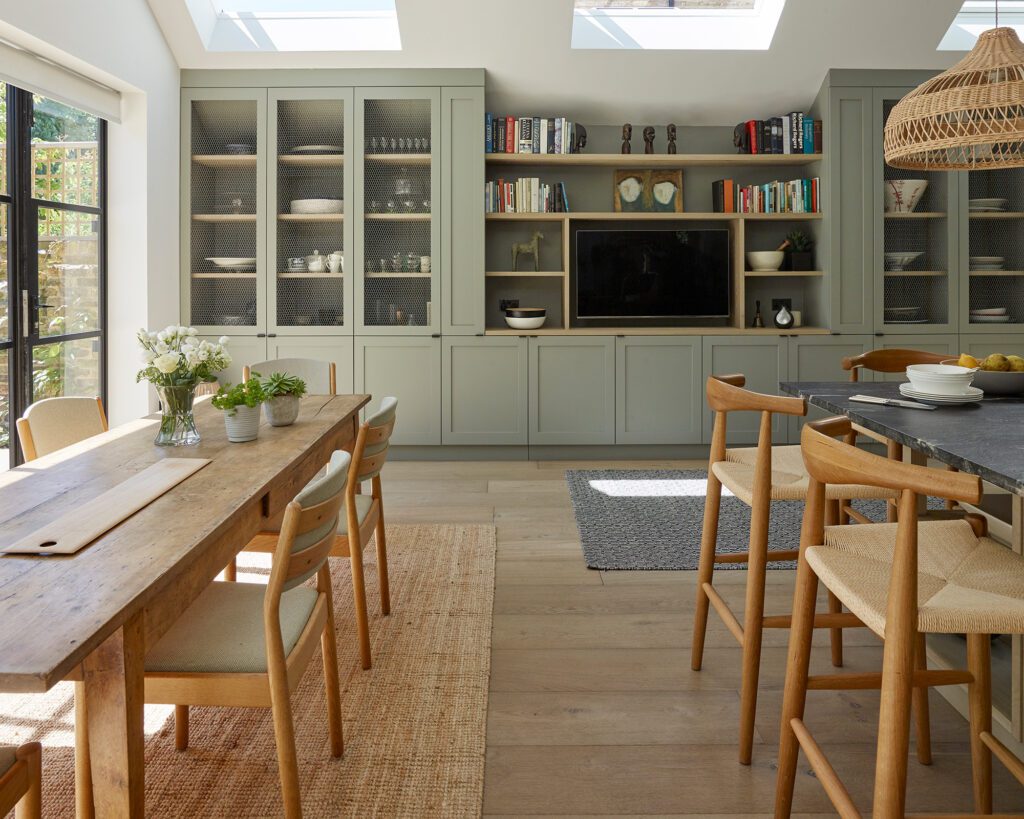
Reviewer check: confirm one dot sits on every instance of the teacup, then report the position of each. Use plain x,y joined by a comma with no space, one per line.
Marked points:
336,262
424,264
296,263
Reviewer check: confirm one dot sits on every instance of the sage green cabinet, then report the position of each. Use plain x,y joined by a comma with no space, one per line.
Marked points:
337,349
462,211
982,344
572,390
244,350
408,368
819,358
658,390
484,388
764,361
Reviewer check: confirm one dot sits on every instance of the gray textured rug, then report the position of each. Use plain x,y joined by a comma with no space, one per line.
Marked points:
652,519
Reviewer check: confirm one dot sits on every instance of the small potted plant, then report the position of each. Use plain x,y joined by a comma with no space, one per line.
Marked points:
282,393
241,406
799,247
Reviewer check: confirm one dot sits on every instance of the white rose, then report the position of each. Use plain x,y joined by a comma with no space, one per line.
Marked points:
223,340
167,363
192,331
161,348
162,335
148,356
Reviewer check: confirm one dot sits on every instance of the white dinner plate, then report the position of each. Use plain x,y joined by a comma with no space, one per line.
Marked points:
233,262
986,259
906,321
976,319
317,149
990,202
972,396
989,311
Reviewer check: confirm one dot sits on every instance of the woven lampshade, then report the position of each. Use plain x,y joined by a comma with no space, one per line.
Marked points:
969,117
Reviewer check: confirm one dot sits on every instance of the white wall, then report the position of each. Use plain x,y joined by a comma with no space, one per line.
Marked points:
119,43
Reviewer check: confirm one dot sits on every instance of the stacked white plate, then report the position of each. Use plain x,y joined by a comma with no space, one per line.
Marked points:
990,315
986,262
972,396
987,205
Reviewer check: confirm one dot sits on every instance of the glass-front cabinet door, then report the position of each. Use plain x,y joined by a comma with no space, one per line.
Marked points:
397,196
223,173
309,239
916,258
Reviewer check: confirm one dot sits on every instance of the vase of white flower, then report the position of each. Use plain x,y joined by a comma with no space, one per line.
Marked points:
177,361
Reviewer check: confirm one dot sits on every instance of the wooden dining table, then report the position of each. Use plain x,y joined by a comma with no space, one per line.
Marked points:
92,615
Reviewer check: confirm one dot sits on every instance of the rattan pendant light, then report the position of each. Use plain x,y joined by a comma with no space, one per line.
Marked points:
969,117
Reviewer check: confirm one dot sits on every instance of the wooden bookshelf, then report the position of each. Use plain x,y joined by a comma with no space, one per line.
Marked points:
654,160
534,274
766,274
649,217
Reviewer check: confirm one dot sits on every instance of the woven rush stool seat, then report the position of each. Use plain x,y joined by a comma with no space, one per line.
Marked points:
789,477
965,584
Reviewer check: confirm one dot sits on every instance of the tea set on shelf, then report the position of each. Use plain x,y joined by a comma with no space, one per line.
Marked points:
316,262
408,262
400,145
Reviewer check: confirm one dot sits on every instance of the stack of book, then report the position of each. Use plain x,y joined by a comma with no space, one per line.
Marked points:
525,195
794,133
795,196
528,135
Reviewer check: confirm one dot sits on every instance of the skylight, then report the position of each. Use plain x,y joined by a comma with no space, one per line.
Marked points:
976,16
709,25
304,25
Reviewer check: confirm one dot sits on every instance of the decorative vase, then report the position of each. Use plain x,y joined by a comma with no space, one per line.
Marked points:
177,423
243,424
282,410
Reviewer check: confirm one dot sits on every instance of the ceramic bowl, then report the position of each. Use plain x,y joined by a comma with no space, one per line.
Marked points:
314,206
765,260
902,195
525,318
997,383
940,379
898,260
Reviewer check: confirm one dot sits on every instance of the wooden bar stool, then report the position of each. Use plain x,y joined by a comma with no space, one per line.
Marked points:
901,580
757,476
21,774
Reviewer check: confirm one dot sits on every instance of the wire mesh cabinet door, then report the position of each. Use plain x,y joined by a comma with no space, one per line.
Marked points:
397,200
916,240
223,235
309,230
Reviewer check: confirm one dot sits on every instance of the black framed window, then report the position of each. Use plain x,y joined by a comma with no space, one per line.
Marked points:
52,256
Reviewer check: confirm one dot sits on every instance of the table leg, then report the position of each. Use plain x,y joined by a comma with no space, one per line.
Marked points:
114,686
920,459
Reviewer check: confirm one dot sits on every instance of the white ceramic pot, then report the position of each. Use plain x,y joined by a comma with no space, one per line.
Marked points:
281,410
243,424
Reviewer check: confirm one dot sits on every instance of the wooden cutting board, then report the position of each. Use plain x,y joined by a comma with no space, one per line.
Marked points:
78,528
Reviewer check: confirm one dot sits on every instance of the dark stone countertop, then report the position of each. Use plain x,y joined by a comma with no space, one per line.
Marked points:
985,439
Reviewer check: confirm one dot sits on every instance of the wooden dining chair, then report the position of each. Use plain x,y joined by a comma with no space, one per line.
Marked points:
902,580
757,476
364,516
321,377
883,360
54,423
21,775
247,645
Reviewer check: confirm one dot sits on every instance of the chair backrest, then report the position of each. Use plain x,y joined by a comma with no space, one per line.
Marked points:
373,442
893,360
320,376
55,423
725,394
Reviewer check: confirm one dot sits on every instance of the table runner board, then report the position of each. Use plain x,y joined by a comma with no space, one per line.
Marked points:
162,557
78,528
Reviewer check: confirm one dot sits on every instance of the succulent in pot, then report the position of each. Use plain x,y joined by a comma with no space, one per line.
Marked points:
241,406
799,249
281,398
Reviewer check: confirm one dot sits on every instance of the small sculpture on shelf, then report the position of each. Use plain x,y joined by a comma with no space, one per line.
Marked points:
758,321
579,140
627,135
649,139
783,318
671,133
531,248
741,138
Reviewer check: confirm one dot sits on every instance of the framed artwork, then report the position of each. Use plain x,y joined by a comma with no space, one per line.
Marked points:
648,191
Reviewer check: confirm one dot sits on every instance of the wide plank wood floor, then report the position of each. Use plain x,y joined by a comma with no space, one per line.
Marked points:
594,710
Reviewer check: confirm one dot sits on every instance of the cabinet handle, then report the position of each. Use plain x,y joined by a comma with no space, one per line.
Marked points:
271,335
879,335
435,335
261,335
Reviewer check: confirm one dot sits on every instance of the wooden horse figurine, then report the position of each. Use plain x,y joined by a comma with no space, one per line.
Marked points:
531,248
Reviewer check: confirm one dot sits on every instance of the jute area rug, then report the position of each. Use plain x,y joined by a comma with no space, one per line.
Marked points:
414,724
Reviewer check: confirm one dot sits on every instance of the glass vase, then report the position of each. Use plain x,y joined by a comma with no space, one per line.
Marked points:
177,423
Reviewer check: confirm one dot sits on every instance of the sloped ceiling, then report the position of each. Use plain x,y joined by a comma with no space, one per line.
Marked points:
524,46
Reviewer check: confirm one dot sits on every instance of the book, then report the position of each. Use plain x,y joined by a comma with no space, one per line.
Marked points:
510,135
550,137
752,135
817,139
808,136
488,133
535,134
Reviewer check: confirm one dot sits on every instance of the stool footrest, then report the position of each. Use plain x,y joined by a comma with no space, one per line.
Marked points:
873,680
826,774
724,612
831,620
1004,755
744,557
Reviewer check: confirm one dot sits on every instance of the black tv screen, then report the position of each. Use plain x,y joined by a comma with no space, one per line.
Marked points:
649,275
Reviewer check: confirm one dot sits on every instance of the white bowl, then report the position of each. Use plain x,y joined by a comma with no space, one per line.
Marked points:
310,206
897,260
765,260
534,323
940,379
902,195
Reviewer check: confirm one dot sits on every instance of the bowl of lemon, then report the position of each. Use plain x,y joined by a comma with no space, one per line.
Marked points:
997,374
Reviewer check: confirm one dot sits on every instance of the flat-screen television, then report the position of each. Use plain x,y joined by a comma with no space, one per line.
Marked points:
649,276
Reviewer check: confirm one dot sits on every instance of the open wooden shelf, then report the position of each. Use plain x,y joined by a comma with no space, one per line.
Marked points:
224,217
311,217
658,331
227,274
303,274
398,217
527,217
399,159
997,214
652,160
312,160
924,214
995,273
225,160
776,273
916,273
537,274
659,216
